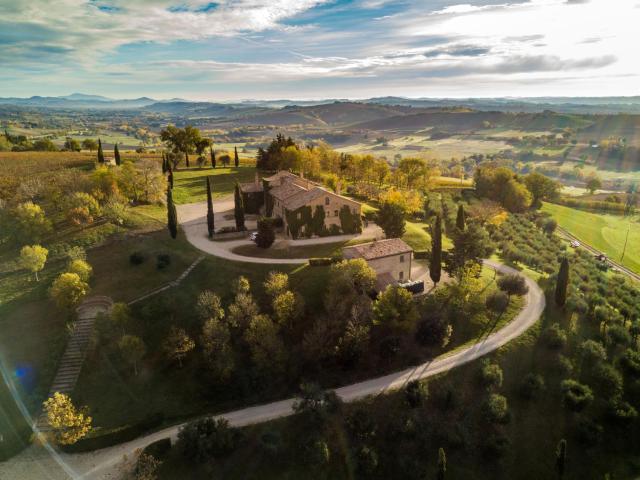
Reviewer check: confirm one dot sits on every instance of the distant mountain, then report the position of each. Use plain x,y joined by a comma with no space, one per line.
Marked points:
79,101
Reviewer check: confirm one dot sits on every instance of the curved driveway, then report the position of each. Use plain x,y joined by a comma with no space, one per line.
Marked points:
102,463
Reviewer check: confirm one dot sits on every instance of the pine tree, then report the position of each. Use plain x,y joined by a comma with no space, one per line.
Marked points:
561,457
235,157
100,152
170,177
210,216
213,157
562,283
116,154
239,209
461,218
186,159
172,215
442,464
435,262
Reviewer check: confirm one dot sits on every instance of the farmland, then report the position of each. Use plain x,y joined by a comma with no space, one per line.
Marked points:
606,233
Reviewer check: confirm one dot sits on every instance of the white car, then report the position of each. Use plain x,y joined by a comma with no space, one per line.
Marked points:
253,236
575,244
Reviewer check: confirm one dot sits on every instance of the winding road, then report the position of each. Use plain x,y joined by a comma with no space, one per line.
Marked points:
39,463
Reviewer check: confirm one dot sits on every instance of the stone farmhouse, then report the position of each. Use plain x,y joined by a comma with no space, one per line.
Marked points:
306,208
391,259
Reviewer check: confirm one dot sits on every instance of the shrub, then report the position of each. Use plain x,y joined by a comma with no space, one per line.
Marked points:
422,254
317,453
630,362
592,352
513,284
416,393
531,386
320,262
497,302
158,449
491,375
163,261
136,258
207,438
271,442
576,395
554,337
606,380
588,432
621,412
496,408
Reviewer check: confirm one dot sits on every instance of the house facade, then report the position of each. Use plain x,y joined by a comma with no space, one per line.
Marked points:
305,207
391,259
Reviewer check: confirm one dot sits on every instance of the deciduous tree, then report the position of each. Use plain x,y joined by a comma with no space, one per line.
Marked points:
133,350
217,348
81,268
68,423
178,344
390,218
68,290
33,258
395,309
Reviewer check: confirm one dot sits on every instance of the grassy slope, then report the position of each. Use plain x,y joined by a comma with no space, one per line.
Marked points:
605,232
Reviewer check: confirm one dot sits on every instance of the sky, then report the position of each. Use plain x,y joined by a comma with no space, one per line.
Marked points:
313,49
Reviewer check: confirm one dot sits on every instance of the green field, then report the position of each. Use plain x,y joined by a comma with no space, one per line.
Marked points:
607,233
190,184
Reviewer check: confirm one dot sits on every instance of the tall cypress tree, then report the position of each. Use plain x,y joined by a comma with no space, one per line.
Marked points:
170,177
210,216
235,157
239,209
100,152
116,154
562,283
442,464
461,218
213,157
186,159
435,262
164,164
172,215
561,457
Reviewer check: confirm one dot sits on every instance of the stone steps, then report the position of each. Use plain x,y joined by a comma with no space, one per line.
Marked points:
71,362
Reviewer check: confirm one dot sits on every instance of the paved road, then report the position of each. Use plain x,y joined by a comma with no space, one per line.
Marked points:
103,463
192,218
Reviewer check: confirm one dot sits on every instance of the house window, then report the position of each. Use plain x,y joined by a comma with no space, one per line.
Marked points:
327,200
335,213
401,276
401,258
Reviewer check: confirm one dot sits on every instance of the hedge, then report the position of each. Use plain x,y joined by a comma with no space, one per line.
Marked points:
320,262
421,254
158,449
115,437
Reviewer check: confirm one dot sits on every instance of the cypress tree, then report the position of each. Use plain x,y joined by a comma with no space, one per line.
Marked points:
172,215
116,154
239,209
186,159
210,216
461,218
235,156
562,283
100,152
442,464
561,457
213,157
164,164
435,262
170,177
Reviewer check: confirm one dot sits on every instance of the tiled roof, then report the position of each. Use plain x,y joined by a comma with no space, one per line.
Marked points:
279,175
285,191
300,199
377,249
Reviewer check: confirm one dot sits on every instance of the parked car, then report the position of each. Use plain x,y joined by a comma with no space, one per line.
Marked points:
575,244
253,236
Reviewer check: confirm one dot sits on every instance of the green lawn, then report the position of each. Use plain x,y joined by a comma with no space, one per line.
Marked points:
607,233
190,185
304,251
417,236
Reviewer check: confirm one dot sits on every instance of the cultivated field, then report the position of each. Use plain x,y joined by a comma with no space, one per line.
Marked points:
607,233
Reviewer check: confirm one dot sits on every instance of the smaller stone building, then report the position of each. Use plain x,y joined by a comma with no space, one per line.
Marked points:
390,258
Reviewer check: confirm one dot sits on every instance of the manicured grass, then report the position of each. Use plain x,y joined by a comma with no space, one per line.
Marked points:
190,185
303,251
417,236
607,233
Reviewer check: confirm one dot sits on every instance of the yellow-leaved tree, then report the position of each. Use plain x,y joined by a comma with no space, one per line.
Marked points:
68,423
33,258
